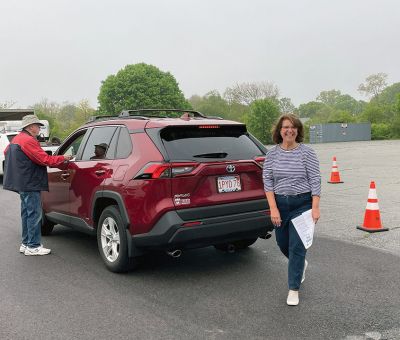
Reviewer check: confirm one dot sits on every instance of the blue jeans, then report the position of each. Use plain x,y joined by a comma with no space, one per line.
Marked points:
31,215
289,242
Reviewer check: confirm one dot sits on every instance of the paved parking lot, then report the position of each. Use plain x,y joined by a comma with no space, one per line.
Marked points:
343,205
351,291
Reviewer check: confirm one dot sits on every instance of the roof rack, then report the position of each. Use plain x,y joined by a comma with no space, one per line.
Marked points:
153,113
97,118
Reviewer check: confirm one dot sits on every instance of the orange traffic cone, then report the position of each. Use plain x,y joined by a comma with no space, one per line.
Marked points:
372,217
335,176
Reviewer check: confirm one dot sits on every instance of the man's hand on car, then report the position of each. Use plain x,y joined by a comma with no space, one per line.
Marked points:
67,158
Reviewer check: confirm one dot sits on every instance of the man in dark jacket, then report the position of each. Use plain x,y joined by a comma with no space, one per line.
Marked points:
25,172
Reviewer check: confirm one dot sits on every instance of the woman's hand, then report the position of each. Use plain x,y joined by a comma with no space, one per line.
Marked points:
315,214
276,217
315,209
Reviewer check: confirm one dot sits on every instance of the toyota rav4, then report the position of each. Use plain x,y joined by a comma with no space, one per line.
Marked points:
151,180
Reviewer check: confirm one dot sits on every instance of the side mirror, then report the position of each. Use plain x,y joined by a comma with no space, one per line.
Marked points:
41,138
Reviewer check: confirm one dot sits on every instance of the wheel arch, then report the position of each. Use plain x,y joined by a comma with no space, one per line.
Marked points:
105,198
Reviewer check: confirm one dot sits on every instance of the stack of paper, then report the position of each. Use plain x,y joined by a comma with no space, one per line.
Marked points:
304,225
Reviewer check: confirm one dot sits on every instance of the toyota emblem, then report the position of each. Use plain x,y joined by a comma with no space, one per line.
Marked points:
230,168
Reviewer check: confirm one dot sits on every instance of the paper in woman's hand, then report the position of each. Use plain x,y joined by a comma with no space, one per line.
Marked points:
304,225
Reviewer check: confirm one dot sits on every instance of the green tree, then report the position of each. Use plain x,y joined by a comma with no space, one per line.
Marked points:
338,116
347,103
329,97
396,119
389,94
310,109
211,104
140,86
82,115
261,118
344,102
380,131
64,118
375,113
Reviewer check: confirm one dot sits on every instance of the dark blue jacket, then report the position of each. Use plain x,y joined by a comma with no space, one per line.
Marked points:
21,174
25,164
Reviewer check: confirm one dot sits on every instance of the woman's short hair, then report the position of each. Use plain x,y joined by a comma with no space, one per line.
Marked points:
276,131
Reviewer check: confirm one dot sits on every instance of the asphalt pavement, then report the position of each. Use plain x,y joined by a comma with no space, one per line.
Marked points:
351,290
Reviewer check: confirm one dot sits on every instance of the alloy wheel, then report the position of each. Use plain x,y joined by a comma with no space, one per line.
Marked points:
110,240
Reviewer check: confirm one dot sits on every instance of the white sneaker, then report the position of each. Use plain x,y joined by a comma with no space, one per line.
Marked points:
37,251
304,271
22,248
293,298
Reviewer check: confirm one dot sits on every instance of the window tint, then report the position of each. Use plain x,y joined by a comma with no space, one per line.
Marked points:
98,143
209,142
124,147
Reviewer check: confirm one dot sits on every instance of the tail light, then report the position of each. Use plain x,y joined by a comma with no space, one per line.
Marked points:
260,160
166,170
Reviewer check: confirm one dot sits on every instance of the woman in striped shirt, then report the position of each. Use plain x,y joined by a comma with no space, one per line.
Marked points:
292,184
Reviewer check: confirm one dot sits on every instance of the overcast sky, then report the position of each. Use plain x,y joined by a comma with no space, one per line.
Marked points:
62,50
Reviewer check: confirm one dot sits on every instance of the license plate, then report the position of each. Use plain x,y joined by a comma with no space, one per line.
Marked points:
228,184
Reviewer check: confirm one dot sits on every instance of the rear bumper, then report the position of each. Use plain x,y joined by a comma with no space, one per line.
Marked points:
219,224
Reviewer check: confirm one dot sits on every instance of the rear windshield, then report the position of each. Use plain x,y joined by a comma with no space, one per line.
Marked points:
209,142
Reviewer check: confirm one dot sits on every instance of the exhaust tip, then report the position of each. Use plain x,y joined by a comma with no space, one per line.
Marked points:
175,253
266,236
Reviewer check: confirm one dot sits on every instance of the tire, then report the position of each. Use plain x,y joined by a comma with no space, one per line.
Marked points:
112,240
47,226
237,245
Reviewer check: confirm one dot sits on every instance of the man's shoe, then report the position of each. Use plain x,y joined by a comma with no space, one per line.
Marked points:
293,298
304,271
22,248
37,251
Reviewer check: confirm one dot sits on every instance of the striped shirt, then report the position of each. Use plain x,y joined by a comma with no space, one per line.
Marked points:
292,172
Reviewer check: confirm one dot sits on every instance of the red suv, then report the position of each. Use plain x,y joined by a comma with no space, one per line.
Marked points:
150,180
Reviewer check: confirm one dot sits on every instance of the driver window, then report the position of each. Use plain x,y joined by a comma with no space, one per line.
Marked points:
71,147
98,143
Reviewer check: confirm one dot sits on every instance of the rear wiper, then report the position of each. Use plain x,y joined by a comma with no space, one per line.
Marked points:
212,155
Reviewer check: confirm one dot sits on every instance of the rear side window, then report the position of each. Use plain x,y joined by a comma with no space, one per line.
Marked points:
124,147
209,142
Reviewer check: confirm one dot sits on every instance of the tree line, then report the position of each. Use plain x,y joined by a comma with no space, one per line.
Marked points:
258,104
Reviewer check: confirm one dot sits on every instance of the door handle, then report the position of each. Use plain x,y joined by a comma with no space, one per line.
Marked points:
65,175
100,172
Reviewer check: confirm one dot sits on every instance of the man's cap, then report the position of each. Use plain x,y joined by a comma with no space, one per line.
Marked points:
102,145
29,120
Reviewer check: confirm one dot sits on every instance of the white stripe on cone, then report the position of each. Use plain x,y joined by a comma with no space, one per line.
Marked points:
372,206
372,194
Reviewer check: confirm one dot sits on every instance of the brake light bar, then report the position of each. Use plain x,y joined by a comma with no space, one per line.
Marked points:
209,126
166,170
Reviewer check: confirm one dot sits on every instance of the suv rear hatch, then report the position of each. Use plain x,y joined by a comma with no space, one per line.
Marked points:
212,164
